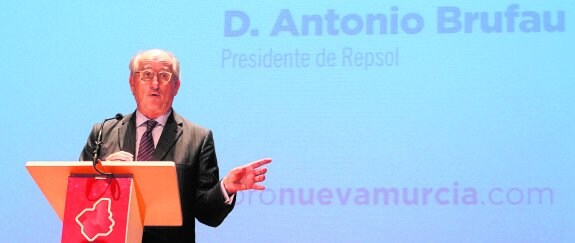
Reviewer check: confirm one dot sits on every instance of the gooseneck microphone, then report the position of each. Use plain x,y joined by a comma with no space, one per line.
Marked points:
98,143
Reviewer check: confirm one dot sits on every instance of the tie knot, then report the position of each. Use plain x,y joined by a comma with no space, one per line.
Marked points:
150,124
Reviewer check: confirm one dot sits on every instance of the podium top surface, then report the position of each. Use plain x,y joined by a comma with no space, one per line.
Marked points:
156,183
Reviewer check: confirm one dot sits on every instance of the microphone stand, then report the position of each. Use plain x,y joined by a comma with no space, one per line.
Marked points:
98,144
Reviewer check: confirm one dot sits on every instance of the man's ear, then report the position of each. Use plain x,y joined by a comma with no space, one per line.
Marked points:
131,82
177,86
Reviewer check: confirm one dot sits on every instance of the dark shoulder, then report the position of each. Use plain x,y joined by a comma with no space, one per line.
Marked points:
190,126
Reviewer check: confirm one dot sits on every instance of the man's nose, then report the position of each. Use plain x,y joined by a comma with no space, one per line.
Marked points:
155,83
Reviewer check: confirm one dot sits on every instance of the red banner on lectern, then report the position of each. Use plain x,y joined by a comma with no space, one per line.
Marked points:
97,209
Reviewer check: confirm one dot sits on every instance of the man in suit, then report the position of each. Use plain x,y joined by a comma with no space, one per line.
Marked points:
156,132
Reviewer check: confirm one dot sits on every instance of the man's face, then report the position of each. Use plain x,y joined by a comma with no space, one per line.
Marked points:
154,97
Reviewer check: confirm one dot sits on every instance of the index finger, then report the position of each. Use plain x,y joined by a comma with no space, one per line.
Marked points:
260,162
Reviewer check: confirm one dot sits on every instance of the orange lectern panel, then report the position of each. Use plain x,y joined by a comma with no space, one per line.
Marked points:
156,185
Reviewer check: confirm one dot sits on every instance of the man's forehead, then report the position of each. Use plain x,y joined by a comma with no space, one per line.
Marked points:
155,61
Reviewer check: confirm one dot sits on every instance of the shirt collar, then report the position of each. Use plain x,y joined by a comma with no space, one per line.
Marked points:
141,119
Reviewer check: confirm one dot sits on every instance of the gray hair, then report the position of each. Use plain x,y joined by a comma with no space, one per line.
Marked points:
135,62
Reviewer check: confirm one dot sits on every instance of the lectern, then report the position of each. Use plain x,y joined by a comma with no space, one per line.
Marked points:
96,208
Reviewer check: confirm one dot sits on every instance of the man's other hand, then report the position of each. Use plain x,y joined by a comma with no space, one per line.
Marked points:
120,156
246,177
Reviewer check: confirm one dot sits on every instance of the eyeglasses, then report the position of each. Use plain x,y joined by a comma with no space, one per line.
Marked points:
148,75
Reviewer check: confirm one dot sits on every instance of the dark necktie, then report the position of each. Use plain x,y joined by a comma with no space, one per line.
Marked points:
147,142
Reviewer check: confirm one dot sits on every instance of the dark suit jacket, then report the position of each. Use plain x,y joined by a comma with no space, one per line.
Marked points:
192,149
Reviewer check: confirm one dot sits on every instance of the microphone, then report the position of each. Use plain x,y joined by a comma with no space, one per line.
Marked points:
98,143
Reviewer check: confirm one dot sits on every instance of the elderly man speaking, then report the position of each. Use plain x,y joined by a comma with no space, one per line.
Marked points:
156,132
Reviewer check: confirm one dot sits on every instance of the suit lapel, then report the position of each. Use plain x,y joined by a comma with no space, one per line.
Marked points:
172,131
127,134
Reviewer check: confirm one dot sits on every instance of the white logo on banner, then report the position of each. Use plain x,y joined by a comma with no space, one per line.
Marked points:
94,209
